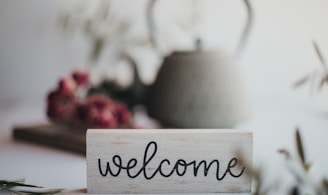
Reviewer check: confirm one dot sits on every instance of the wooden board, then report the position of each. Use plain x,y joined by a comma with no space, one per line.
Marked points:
168,161
59,136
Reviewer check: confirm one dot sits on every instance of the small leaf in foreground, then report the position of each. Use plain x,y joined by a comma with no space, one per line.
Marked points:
38,191
285,153
302,81
299,145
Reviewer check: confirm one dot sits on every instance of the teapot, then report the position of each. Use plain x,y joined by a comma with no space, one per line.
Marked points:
196,89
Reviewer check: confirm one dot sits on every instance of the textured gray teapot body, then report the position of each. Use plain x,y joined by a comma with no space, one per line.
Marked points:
199,89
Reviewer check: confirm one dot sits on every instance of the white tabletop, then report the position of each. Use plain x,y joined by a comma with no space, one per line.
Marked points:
272,124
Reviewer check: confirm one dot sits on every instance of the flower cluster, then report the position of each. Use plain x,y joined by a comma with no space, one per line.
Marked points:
94,111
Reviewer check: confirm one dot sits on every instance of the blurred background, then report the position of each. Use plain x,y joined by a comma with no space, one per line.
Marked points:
36,49
34,52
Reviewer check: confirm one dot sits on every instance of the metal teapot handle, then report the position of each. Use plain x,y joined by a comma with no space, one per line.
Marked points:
151,22
248,26
241,43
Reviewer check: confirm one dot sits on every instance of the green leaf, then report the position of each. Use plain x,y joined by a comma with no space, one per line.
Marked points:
18,186
97,48
18,180
5,184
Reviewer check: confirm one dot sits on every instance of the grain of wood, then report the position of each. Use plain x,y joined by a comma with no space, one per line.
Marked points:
148,150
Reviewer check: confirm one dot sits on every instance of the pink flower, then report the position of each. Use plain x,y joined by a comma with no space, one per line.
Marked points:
67,85
102,119
123,115
81,77
100,102
97,112
60,106
81,114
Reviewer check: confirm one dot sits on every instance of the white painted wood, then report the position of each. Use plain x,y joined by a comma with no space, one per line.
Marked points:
191,145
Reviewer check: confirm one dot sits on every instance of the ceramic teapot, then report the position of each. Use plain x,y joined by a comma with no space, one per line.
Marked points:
197,89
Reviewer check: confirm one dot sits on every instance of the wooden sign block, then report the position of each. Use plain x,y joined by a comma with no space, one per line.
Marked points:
168,161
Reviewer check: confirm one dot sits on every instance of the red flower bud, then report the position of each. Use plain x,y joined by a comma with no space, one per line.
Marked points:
81,114
123,114
102,119
100,102
60,106
97,112
81,77
67,85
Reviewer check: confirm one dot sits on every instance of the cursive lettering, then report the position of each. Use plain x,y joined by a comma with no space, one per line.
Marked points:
180,166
